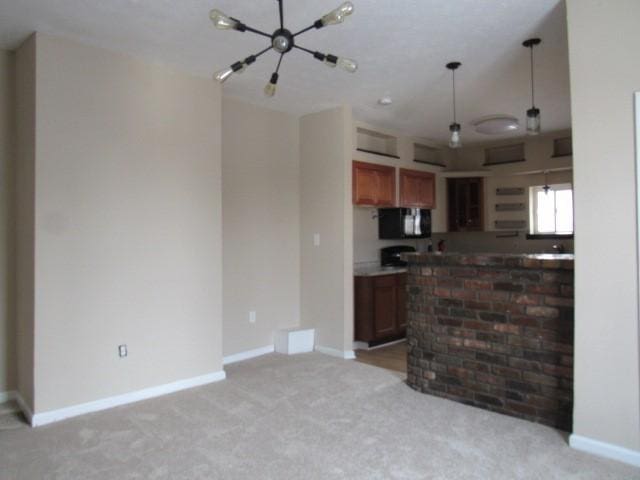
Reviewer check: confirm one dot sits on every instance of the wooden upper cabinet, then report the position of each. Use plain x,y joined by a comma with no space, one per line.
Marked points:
417,189
374,184
466,204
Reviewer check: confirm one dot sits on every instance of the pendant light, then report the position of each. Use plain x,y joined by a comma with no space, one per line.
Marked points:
533,114
546,187
282,41
454,128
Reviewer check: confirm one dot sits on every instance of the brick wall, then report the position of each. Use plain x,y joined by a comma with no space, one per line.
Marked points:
495,332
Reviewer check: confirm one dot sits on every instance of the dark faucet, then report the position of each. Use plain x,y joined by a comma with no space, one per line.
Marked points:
558,248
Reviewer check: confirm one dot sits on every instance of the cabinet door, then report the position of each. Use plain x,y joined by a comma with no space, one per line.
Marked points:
384,306
387,187
401,285
417,189
374,184
363,305
466,204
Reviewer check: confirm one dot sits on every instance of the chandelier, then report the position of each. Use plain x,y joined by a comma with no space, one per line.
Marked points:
282,41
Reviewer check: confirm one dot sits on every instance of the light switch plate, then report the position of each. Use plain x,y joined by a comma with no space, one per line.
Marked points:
122,351
316,239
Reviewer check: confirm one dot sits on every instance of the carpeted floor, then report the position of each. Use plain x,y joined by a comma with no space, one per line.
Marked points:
302,417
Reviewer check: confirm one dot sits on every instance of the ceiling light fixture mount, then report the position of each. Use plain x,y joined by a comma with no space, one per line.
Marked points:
455,127
496,124
282,41
533,114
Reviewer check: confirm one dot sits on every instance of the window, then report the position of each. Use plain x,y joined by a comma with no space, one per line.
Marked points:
552,211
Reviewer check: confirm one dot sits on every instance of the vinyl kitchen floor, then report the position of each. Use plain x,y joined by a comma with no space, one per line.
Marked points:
393,357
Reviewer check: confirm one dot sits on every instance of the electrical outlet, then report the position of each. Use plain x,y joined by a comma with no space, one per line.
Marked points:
252,316
122,351
316,239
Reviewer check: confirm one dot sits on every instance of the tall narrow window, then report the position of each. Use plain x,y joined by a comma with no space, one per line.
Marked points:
552,210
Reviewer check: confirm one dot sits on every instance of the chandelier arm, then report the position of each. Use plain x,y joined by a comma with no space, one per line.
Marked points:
279,62
257,32
262,51
304,49
281,14
242,27
305,30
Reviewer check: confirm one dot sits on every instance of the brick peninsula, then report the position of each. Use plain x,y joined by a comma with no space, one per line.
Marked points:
494,331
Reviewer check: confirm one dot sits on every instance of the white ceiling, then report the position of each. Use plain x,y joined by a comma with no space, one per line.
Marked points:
401,46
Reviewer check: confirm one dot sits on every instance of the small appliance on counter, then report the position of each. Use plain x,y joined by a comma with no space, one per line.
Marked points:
390,256
399,223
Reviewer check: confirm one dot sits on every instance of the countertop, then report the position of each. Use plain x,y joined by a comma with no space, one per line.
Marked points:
561,261
377,270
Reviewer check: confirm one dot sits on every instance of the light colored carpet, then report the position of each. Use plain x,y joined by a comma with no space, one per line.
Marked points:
302,417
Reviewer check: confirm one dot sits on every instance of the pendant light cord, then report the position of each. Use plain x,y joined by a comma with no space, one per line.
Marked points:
281,14
453,72
533,98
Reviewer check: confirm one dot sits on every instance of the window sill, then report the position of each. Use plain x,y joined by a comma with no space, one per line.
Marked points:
549,236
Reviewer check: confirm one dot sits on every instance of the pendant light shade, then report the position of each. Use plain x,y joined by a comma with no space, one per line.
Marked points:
455,141
533,114
454,128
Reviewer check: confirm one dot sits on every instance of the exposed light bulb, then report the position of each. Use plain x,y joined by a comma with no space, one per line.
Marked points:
347,64
455,141
222,21
346,8
270,88
327,61
533,121
338,15
223,75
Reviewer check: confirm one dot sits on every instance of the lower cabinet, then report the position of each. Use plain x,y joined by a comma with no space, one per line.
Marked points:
380,307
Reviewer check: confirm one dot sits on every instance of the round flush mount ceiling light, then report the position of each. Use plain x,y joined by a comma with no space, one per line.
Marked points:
385,101
496,124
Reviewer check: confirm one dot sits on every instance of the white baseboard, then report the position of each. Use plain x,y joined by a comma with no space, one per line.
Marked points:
52,416
7,396
602,449
239,357
334,352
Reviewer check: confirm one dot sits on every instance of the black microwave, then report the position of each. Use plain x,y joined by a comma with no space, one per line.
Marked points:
399,223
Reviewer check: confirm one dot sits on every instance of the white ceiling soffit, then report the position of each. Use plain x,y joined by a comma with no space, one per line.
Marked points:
402,47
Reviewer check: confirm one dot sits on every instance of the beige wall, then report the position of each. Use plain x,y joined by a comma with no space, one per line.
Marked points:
127,225
539,157
538,153
25,149
326,209
7,255
603,47
261,224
